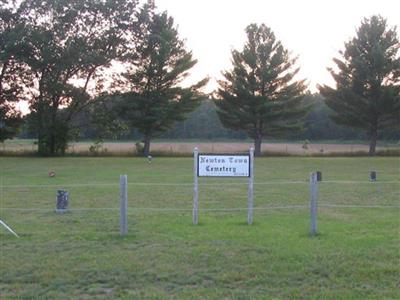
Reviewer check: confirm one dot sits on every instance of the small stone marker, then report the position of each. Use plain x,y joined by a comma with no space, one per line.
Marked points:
319,176
62,201
372,176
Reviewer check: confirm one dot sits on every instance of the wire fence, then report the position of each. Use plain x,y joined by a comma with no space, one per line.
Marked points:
43,186
94,207
12,194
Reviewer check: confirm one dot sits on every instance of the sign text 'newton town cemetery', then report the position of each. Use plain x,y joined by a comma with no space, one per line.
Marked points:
220,165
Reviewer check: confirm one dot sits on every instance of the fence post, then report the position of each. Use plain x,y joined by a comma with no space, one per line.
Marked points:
313,203
123,222
250,195
196,187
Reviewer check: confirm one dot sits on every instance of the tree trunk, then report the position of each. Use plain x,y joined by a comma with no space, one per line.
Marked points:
372,143
257,145
52,144
42,149
146,150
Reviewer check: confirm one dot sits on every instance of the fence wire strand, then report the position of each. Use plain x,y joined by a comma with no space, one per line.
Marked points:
172,209
156,209
191,184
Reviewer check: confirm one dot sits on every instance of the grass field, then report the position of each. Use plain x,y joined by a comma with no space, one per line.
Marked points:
80,255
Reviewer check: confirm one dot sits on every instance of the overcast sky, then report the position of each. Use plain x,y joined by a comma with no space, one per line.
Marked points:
314,30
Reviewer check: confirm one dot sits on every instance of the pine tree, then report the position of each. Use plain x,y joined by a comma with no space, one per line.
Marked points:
157,65
367,93
260,95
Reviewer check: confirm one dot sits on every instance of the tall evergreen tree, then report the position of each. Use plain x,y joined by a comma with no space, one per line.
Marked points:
154,98
259,95
367,93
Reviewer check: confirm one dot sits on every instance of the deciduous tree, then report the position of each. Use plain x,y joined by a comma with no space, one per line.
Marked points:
70,42
14,75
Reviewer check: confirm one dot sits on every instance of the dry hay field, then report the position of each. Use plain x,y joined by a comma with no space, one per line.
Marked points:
177,147
284,148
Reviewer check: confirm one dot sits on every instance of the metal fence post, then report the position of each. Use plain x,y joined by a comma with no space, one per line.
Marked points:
196,187
313,203
250,196
123,222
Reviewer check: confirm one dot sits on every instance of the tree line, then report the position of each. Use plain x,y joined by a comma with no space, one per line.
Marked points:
204,124
113,68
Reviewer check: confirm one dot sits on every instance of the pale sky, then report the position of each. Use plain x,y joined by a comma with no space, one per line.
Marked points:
311,29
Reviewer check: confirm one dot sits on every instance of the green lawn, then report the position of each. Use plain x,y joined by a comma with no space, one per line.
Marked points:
81,255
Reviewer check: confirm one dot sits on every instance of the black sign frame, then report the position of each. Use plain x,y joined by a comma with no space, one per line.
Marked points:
224,154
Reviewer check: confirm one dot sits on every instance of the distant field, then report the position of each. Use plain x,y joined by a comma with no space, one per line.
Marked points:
176,147
80,255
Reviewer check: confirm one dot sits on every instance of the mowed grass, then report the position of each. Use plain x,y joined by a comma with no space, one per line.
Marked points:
81,255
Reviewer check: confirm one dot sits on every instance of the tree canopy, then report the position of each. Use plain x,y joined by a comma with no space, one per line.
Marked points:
151,96
14,74
260,95
69,42
367,92
60,54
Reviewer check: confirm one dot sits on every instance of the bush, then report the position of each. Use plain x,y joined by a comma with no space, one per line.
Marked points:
96,147
139,147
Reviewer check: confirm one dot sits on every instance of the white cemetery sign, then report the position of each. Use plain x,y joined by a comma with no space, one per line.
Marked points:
223,165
